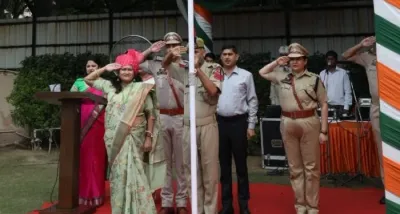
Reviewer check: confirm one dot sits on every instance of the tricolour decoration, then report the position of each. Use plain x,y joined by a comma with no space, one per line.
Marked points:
202,22
203,17
387,28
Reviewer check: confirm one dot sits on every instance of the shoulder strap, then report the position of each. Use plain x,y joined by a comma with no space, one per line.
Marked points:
294,92
171,84
315,89
316,84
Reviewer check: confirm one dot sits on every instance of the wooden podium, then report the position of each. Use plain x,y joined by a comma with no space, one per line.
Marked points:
68,187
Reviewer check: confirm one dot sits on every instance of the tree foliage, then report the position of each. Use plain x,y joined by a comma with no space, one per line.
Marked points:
36,74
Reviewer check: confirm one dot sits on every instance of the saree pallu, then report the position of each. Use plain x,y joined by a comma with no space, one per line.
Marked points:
92,150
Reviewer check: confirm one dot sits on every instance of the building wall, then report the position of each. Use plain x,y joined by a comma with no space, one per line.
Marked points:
8,130
251,30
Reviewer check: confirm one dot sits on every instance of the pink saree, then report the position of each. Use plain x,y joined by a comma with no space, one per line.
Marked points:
92,153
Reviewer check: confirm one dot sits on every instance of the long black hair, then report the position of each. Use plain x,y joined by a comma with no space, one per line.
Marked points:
116,81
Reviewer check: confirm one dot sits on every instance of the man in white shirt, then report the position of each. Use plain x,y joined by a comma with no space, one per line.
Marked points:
337,83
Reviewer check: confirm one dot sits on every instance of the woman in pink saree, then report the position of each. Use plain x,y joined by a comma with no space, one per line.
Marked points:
92,150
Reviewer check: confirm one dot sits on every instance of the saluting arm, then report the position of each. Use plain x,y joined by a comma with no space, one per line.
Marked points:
168,59
90,78
154,48
349,53
367,42
265,72
210,87
268,69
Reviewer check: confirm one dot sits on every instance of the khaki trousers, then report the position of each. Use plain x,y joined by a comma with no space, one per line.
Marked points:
207,166
172,130
374,117
301,140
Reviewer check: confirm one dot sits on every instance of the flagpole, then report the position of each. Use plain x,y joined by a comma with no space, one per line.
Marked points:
192,108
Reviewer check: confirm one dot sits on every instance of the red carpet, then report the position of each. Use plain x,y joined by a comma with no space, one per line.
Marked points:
278,199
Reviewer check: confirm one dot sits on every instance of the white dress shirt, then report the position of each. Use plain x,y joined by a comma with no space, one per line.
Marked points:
337,85
239,96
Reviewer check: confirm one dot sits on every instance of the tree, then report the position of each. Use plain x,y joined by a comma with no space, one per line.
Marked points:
12,8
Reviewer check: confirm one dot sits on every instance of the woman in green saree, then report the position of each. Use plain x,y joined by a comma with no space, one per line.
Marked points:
132,125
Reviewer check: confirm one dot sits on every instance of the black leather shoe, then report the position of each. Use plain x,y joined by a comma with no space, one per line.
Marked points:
383,200
226,211
245,211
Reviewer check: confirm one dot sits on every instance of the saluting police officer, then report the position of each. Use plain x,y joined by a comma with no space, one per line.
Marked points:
170,98
368,60
208,88
300,93
274,90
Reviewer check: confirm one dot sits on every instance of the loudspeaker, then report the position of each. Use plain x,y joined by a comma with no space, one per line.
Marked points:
273,111
364,110
273,151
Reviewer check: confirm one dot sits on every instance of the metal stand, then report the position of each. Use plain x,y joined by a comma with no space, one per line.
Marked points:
329,175
359,175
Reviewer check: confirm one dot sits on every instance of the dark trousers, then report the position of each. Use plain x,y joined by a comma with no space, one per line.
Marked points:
233,140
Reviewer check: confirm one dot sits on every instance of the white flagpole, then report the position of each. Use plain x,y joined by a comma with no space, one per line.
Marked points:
192,109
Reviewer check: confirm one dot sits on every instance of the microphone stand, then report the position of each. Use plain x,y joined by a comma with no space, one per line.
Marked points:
359,120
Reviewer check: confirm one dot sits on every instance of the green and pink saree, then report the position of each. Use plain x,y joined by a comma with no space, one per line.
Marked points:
134,175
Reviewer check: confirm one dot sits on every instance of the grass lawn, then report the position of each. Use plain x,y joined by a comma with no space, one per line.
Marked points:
28,178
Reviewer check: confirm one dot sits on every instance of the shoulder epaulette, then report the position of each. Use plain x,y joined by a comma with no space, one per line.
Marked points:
311,74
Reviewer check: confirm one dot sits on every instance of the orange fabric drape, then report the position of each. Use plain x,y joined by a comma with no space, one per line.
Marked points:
343,150
389,82
392,176
395,3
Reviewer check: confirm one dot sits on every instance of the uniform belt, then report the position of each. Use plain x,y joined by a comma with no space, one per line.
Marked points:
172,112
201,121
299,114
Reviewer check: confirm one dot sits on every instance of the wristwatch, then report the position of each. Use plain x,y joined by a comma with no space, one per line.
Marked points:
149,134
324,132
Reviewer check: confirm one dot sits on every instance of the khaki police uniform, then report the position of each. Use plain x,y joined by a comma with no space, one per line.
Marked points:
274,90
368,60
170,98
300,128
206,135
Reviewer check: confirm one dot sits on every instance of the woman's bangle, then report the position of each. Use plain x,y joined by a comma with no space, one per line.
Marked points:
149,134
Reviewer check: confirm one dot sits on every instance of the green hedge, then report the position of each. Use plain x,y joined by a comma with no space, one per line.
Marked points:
40,71
36,74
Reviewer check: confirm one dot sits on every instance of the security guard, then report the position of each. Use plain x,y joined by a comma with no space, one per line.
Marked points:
170,98
368,60
208,88
274,90
300,93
